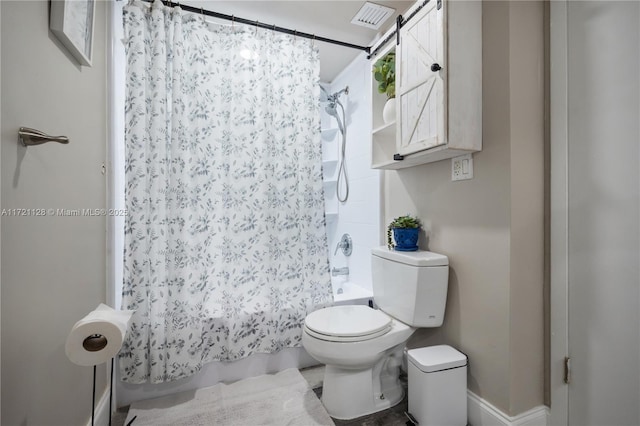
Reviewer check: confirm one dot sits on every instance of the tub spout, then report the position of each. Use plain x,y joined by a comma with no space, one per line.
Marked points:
340,271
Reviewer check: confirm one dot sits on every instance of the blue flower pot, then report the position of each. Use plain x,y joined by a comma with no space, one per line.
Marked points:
406,238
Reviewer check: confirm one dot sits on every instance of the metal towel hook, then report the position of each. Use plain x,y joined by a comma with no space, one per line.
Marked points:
30,137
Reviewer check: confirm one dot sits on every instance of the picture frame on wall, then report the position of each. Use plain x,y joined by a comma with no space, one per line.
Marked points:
72,23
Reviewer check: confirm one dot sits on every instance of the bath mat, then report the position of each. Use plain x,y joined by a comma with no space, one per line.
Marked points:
273,399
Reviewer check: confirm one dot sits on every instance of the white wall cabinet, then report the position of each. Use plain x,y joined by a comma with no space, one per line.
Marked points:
438,88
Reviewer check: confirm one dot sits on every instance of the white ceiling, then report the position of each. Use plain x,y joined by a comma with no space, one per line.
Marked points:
331,19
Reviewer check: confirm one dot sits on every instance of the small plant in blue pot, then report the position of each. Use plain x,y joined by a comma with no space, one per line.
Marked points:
403,232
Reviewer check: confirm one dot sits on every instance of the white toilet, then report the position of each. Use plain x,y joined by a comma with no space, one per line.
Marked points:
362,347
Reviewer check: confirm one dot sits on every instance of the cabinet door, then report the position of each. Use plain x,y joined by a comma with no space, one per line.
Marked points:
420,89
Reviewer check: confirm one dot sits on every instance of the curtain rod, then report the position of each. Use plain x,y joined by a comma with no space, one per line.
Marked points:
259,24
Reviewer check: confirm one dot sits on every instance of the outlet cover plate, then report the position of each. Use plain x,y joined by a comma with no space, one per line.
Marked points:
462,167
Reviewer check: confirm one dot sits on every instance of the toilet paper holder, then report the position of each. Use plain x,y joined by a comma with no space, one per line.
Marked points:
94,343
95,339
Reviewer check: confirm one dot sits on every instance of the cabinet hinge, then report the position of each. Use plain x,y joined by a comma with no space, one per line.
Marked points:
439,4
398,26
398,157
567,370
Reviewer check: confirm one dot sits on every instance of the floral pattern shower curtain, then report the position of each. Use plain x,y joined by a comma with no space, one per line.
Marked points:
225,244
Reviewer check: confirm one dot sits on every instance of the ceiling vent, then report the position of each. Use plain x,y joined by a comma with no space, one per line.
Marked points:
372,15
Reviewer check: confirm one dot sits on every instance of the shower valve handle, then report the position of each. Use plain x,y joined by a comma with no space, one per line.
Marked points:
345,244
435,67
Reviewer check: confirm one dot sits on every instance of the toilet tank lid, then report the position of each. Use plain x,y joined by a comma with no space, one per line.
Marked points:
436,358
414,258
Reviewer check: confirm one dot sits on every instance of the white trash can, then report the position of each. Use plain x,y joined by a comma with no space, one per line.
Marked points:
438,386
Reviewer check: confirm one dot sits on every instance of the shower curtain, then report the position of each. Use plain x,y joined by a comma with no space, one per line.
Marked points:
225,243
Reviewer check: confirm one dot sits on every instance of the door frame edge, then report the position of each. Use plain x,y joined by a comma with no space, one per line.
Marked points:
559,290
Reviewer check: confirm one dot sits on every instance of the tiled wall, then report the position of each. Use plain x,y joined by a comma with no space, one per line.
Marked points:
359,216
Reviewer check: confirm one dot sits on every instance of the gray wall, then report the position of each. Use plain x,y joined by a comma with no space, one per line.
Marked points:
53,268
491,227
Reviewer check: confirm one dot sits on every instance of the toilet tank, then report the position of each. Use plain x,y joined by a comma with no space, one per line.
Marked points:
410,286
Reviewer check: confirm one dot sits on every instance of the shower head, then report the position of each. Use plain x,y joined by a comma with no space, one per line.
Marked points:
333,103
332,110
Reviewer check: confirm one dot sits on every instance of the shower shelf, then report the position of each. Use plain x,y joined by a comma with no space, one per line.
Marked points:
330,200
329,169
329,183
329,163
331,216
329,133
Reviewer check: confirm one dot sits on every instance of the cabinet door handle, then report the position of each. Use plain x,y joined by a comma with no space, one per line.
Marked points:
435,67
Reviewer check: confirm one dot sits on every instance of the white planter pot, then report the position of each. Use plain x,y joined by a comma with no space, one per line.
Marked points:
389,111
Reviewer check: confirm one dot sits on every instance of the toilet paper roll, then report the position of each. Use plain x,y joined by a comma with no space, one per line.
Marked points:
97,337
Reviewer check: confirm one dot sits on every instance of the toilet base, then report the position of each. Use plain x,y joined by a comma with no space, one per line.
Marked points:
348,393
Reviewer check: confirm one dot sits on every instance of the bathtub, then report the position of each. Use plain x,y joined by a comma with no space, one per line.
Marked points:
349,293
255,365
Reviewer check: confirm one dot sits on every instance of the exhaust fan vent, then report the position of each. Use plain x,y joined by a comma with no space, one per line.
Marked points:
372,15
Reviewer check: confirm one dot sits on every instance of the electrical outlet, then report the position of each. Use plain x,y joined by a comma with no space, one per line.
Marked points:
462,167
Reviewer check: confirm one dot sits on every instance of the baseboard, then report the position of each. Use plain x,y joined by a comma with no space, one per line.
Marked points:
482,413
102,411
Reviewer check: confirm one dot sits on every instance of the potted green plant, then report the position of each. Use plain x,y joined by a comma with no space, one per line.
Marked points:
403,232
384,72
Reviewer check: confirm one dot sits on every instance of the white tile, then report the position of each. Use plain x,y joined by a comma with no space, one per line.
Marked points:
361,266
359,167
354,211
359,216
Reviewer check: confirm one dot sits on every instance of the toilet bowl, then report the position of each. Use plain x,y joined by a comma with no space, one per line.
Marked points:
361,373
362,347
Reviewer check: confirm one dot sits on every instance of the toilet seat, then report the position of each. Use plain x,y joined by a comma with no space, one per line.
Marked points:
347,323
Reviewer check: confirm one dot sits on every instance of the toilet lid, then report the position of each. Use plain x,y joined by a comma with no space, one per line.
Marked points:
347,323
